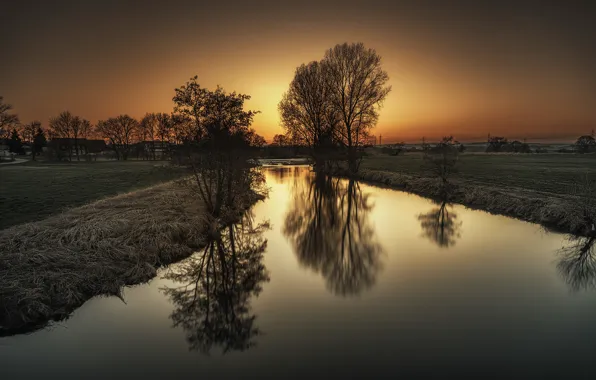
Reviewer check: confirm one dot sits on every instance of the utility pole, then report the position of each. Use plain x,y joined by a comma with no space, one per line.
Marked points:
380,139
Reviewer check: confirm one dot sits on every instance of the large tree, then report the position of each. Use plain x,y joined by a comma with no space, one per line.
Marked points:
217,117
68,126
356,86
8,120
121,132
305,110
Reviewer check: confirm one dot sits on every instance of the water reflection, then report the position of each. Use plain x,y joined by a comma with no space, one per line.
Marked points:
282,173
577,263
213,303
329,228
440,225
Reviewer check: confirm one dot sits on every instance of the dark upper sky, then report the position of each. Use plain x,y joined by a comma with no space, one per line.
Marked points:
522,69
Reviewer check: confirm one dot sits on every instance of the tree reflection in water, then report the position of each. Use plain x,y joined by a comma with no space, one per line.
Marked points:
440,225
577,263
213,305
329,229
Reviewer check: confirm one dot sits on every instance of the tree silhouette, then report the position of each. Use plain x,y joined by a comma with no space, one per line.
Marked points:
329,229
69,126
306,112
121,132
440,226
212,303
577,263
356,86
8,120
30,132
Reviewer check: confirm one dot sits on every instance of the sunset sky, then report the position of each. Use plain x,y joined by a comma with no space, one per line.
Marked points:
519,69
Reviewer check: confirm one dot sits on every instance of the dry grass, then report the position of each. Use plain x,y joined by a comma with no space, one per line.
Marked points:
560,213
50,267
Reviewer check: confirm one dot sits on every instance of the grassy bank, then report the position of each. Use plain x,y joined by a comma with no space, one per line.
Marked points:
549,174
35,190
50,267
534,188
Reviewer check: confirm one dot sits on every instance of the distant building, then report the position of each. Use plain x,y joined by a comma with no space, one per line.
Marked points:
66,147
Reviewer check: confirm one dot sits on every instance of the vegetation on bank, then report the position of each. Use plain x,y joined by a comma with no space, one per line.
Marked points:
49,268
34,191
559,196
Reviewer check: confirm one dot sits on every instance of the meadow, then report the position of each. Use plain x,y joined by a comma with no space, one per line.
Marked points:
550,174
36,190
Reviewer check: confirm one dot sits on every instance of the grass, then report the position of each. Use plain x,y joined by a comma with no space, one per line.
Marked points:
549,174
35,190
50,267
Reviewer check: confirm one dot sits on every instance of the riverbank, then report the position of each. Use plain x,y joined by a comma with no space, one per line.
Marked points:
49,268
564,214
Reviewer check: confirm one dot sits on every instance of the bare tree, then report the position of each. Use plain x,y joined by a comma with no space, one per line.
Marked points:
69,126
121,132
8,120
29,133
441,160
164,129
356,88
306,113
148,130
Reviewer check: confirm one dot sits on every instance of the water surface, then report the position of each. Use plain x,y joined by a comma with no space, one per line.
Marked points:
329,277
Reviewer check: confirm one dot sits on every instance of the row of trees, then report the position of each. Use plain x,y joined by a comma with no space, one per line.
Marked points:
332,104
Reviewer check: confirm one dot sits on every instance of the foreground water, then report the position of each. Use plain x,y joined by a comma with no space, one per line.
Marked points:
347,280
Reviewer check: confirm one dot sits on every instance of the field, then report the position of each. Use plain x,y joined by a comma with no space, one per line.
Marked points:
550,174
34,191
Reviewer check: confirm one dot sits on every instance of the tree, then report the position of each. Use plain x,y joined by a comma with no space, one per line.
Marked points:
306,112
496,144
15,144
8,120
356,86
164,129
585,144
148,131
442,159
190,103
214,117
39,141
280,140
69,126
121,132
29,133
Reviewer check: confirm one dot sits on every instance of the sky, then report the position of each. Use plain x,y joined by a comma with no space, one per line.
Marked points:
520,69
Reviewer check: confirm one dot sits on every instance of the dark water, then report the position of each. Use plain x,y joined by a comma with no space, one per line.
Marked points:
346,280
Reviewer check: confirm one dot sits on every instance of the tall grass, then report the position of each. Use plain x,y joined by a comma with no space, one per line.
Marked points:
50,267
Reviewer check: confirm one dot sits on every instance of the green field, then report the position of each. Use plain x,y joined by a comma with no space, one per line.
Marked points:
34,191
554,174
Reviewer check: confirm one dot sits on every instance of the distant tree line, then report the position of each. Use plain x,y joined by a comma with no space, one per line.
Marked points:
199,115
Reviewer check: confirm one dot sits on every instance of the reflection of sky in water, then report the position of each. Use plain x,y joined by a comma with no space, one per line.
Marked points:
496,300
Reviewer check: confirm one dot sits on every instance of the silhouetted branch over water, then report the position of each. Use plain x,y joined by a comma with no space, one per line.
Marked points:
577,263
329,228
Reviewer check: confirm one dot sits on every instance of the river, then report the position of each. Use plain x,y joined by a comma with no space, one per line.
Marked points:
335,278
